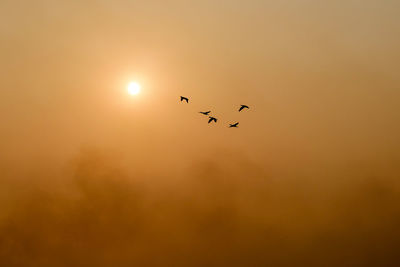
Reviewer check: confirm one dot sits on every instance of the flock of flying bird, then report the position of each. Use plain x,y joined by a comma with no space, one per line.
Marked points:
213,119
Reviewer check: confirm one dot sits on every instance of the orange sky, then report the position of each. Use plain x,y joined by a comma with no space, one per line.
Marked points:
321,78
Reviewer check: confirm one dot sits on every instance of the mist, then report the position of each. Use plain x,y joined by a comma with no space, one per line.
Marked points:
228,212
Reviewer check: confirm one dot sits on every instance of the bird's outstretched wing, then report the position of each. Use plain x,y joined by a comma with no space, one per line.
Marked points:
212,119
184,99
243,107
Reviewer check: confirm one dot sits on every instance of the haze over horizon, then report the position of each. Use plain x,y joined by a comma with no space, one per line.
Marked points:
93,176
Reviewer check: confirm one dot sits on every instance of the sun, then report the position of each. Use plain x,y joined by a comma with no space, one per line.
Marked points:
133,88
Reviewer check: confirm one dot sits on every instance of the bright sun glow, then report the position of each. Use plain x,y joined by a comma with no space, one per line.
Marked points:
133,88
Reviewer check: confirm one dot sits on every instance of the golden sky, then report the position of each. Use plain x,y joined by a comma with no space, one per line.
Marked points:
321,140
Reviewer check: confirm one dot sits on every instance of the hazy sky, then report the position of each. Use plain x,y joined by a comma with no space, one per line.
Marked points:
321,78
320,75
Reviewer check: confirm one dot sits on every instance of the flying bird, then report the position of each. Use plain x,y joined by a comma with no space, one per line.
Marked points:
205,113
212,119
234,125
184,99
243,107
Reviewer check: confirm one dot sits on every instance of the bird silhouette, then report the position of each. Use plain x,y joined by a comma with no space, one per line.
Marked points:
243,107
212,119
205,113
234,125
184,99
